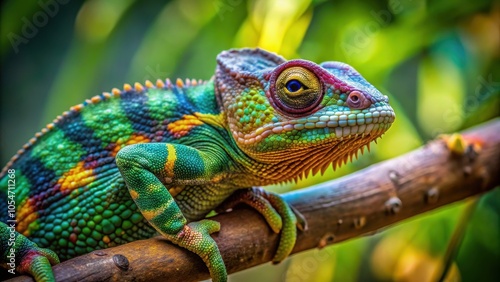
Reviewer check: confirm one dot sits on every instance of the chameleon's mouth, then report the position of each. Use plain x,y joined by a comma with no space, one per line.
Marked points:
338,125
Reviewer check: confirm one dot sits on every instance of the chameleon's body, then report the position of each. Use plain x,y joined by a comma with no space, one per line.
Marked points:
96,176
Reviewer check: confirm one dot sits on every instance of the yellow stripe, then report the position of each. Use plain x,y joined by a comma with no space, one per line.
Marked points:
171,158
215,120
150,214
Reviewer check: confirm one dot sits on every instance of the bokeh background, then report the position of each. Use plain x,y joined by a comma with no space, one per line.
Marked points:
437,60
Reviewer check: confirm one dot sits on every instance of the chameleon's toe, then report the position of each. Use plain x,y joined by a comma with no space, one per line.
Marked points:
256,201
279,215
289,230
195,237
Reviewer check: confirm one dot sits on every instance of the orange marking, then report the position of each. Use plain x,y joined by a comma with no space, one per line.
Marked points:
76,177
77,108
159,83
26,214
32,224
175,190
217,178
95,99
150,214
182,126
138,87
133,194
179,83
133,139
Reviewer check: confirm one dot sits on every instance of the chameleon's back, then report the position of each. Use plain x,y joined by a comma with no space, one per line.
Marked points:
69,194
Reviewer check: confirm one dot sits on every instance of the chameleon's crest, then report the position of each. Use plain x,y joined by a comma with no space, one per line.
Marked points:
247,62
115,92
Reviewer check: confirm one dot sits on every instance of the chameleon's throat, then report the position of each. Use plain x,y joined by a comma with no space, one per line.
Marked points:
289,165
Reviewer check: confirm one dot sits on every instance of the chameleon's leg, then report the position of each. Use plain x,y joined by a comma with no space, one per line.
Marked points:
148,170
28,257
279,215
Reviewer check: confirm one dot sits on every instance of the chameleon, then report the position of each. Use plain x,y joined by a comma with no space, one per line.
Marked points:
156,158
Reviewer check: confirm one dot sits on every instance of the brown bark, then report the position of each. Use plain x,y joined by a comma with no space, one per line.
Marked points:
362,202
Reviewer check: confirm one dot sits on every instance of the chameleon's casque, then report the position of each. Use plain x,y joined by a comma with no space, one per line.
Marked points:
151,159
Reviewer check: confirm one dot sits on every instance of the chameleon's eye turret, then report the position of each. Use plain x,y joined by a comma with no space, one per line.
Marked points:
297,90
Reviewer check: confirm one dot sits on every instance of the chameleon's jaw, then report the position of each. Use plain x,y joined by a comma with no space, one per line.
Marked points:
335,125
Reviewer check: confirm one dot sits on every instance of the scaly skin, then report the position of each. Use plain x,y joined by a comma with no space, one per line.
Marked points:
130,164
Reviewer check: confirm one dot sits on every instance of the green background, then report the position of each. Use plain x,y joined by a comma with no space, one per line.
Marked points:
438,61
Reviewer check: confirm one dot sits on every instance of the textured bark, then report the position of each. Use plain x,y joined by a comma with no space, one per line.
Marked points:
380,195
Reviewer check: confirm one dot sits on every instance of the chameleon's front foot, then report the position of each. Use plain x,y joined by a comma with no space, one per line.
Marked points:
279,215
30,258
195,237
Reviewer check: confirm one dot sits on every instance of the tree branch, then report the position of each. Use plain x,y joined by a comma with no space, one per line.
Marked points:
362,202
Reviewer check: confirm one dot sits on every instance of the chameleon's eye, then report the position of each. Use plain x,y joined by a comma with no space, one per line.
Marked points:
298,90
293,85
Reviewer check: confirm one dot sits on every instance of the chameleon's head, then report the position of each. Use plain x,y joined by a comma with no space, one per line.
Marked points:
297,114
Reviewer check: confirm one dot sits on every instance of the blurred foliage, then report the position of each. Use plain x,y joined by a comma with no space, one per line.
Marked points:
437,60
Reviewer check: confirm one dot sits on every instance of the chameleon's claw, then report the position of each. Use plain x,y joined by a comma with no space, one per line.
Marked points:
279,215
301,220
195,237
